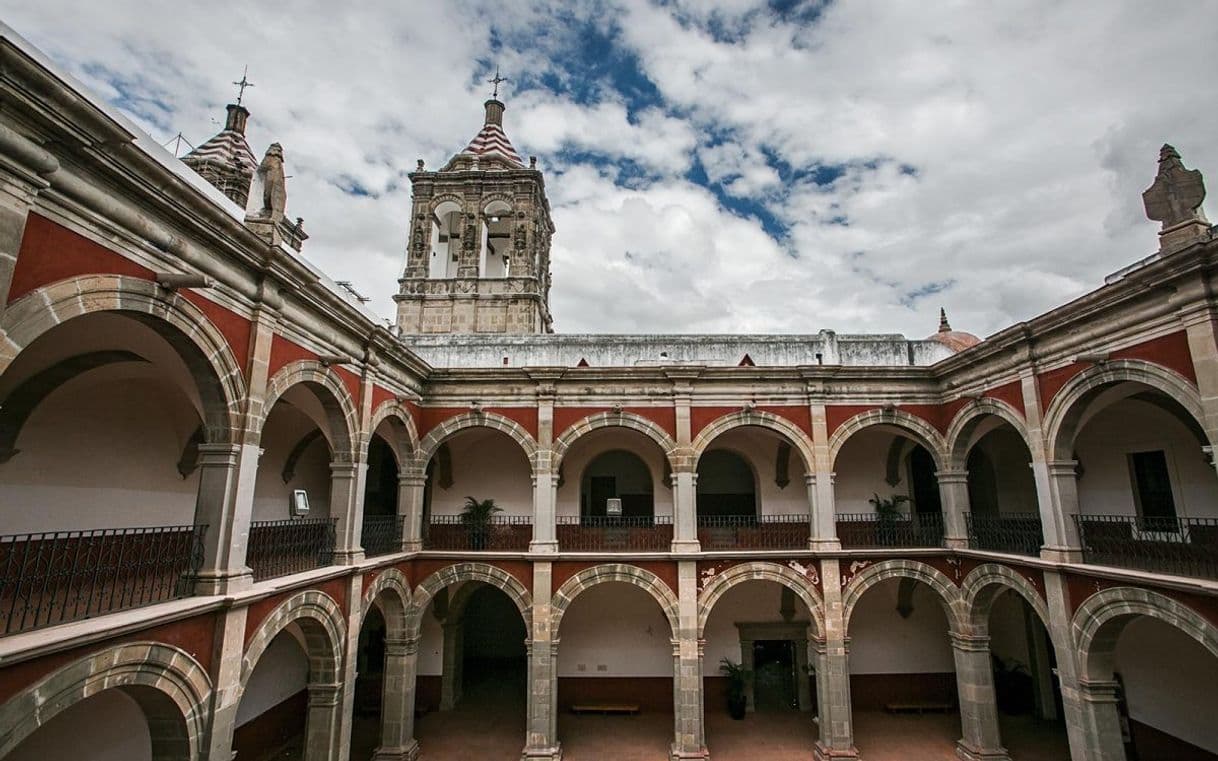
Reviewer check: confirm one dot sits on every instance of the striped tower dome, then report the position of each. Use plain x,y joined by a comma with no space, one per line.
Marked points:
226,160
491,145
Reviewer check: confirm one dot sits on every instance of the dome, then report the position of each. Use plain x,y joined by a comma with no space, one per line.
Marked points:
956,340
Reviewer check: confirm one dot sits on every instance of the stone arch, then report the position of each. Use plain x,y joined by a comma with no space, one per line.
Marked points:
983,585
919,430
476,419
320,619
759,419
761,571
406,440
458,572
964,425
171,688
949,593
629,420
600,574
1099,621
337,401
389,591
493,198
199,343
1064,415
437,200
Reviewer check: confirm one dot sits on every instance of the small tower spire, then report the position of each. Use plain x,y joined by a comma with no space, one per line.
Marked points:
944,325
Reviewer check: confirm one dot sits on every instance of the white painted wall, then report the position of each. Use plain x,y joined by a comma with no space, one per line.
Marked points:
487,464
860,470
109,726
1169,681
619,626
602,440
285,426
750,602
1008,635
881,642
102,452
431,640
1130,425
281,672
1012,471
759,447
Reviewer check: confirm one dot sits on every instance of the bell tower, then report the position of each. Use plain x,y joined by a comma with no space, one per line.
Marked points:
478,258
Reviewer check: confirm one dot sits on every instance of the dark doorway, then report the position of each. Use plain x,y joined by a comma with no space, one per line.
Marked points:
726,485
925,485
493,650
774,675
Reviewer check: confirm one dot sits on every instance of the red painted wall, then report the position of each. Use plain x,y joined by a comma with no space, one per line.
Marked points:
50,252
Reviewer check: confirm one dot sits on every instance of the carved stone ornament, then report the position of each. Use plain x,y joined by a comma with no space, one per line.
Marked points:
269,191
1176,194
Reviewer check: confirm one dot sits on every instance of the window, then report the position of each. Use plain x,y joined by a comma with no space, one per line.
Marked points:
1152,490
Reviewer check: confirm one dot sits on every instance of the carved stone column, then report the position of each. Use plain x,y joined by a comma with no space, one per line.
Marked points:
411,484
397,702
228,652
323,723
953,493
1061,633
1101,721
545,492
685,511
981,740
347,505
820,483
453,661
541,722
1061,532
836,739
689,739
227,519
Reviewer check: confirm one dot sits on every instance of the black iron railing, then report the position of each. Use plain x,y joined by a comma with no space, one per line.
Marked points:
861,530
1182,546
1018,533
753,532
382,534
278,548
62,576
598,533
502,533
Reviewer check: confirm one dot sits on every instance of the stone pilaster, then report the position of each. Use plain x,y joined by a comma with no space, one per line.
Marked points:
953,493
836,739
18,189
689,739
346,691
1101,721
981,740
411,483
324,724
347,505
224,543
452,674
1056,492
228,651
1079,729
545,482
1201,327
685,511
397,702
820,485
541,728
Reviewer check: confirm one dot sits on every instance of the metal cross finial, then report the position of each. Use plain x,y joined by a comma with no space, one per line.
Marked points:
496,81
244,83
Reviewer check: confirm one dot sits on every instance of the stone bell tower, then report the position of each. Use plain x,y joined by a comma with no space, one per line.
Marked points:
478,257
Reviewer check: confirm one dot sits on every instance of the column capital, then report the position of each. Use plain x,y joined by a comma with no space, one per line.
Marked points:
345,468
969,643
221,455
324,695
952,476
1059,468
401,645
416,480
1099,691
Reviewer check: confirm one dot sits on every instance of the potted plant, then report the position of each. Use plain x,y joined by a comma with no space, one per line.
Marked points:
476,517
888,512
737,701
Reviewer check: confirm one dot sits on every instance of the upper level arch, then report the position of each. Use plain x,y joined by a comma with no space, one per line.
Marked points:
759,419
970,423
909,425
203,350
394,422
1092,389
478,419
448,230
390,592
319,619
600,420
338,408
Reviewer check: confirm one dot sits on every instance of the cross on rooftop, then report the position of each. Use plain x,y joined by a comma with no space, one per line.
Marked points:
244,83
496,81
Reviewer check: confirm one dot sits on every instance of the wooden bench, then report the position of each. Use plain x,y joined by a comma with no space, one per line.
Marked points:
919,706
628,709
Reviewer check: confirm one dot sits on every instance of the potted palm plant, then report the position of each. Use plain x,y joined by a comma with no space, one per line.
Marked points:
476,517
888,512
737,702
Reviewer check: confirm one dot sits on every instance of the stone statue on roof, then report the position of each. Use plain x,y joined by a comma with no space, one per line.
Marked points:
1177,193
269,193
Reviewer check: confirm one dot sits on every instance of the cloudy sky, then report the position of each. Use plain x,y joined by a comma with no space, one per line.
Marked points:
713,166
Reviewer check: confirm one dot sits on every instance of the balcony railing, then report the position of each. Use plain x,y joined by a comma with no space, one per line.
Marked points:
382,534
502,533
862,530
1181,546
598,533
753,532
62,576
278,548
1018,533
